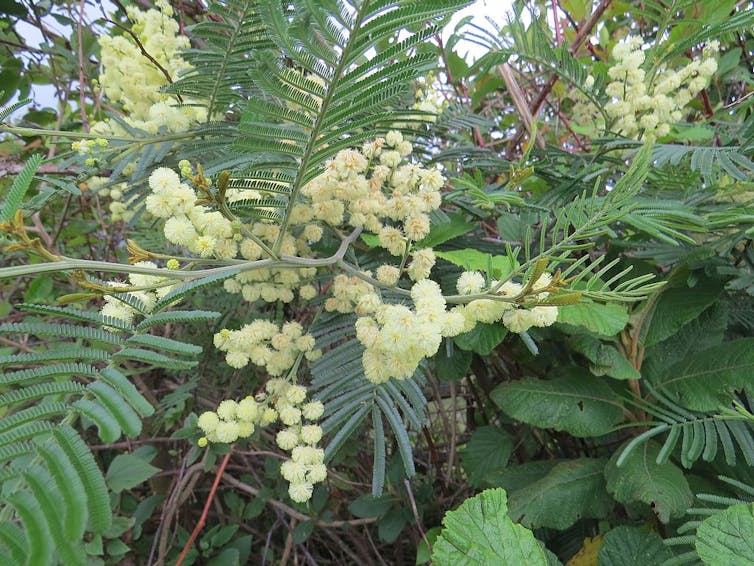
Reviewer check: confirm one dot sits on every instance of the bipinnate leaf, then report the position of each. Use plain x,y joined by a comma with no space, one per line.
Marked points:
606,320
571,491
728,537
19,187
641,478
480,532
705,381
632,546
581,405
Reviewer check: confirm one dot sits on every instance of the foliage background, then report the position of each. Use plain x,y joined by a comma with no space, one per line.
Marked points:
621,435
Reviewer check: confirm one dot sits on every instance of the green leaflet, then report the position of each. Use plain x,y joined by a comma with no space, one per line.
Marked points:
71,489
482,339
69,551
641,478
480,532
40,542
606,320
572,490
726,538
582,405
127,471
19,187
498,266
633,546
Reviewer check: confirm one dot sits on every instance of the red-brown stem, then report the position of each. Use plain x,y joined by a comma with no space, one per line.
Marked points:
203,519
558,38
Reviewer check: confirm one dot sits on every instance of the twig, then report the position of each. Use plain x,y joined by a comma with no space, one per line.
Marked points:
556,21
144,52
187,482
288,549
82,96
453,434
519,101
415,511
202,520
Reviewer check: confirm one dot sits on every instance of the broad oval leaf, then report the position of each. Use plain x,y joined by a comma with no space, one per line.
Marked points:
486,452
678,306
606,320
706,380
127,471
572,490
482,339
579,404
497,266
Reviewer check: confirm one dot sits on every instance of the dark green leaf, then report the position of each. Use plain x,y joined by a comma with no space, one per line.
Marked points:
641,478
482,339
127,471
572,490
582,405
726,538
487,451
633,546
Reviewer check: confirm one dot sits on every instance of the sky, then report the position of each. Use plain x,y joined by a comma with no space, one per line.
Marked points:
496,10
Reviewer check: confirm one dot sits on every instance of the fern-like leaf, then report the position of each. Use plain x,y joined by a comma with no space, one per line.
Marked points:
18,189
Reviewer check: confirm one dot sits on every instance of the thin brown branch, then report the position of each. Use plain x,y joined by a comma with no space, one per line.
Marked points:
246,488
146,54
82,76
203,519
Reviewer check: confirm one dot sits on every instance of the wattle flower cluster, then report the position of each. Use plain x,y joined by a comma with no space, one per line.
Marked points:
378,190
429,98
397,338
282,402
204,232
644,109
515,318
149,289
133,81
350,292
209,234
265,344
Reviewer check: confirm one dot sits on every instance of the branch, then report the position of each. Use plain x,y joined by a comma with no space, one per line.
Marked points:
70,264
297,514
